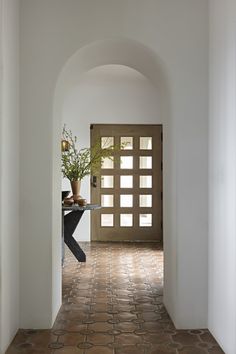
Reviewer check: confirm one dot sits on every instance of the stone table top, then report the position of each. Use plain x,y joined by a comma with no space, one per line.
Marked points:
75,207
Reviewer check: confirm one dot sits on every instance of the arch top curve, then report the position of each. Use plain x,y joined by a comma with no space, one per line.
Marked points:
120,51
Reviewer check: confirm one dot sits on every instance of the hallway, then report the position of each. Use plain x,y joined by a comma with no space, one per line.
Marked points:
112,304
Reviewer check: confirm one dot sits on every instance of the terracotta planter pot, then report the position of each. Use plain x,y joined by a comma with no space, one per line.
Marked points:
75,186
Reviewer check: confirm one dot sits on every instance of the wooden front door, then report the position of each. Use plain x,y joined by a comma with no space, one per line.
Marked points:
129,187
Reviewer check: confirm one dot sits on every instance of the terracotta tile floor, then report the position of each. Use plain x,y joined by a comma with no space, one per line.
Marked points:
112,304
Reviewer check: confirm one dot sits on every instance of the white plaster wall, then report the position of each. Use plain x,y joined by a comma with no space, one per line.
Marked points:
51,32
40,236
9,177
222,174
107,94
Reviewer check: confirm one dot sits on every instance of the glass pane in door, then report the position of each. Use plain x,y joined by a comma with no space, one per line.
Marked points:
145,220
107,220
145,200
107,142
126,181
107,181
108,163
126,220
107,200
126,142
126,200
145,143
145,181
145,162
126,162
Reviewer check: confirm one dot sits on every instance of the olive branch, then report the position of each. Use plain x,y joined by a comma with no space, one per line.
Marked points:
76,164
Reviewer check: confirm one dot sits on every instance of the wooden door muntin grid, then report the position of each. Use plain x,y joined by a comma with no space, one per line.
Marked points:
136,232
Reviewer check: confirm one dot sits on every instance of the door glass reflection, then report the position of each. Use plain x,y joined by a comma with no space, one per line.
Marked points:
126,162
107,181
107,142
126,200
145,162
145,181
107,220
107,200
145,220
126,181
126,142
126,220
107,162
145,200
145,143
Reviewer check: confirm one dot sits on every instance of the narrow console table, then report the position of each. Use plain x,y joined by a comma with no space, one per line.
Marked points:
69,224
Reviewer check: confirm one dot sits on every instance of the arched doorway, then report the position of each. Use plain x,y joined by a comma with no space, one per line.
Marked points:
126,53
111,94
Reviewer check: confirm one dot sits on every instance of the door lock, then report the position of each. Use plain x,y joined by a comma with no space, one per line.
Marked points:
94,181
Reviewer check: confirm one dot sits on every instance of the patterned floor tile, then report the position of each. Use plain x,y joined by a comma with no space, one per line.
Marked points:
112,304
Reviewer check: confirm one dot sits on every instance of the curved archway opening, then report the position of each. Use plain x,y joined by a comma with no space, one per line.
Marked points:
109,60
108,94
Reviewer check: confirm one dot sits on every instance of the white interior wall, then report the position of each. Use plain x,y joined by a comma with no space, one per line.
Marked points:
222,138
9,177
51,32
222,174
107,94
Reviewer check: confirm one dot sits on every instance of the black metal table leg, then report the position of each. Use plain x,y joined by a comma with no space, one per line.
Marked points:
62,239
71,221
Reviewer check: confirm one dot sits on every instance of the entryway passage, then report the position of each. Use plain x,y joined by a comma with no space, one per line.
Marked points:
113,305
129,187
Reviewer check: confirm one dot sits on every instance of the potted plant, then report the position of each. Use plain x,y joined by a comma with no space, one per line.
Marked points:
78,163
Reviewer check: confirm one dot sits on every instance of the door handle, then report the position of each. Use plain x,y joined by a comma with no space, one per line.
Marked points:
94,181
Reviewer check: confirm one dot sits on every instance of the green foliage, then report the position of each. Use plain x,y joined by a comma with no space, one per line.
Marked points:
76,164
